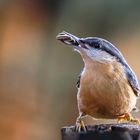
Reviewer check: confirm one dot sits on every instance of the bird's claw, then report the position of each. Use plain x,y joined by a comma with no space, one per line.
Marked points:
80,126
128,117
135,121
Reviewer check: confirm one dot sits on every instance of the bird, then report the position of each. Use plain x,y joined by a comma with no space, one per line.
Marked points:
107,86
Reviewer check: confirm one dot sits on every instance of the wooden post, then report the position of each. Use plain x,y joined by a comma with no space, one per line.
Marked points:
103,132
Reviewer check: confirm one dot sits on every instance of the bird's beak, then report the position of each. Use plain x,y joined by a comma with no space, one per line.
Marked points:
72,40
68,38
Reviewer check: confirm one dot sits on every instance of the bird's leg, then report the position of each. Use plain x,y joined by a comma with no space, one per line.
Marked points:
80,123
128,117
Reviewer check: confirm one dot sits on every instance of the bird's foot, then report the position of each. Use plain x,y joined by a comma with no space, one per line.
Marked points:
128,117
80,126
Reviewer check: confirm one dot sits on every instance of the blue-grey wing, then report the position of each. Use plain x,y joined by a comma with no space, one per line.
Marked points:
78,80
132,79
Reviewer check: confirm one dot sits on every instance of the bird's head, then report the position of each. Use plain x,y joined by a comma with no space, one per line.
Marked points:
92,48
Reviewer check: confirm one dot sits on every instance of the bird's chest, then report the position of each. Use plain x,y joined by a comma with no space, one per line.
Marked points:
101,77
104,88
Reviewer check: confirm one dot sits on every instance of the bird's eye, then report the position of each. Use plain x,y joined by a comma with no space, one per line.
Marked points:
96,45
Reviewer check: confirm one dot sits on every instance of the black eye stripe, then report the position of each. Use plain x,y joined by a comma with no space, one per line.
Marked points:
92,43
96,45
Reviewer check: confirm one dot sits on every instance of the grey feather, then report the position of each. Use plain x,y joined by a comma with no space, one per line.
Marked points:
135,109
78,80
132,79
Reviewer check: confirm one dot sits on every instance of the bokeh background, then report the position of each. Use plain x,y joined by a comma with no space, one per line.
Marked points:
38,74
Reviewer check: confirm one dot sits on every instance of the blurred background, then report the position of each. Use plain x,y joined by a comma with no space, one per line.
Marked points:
38,74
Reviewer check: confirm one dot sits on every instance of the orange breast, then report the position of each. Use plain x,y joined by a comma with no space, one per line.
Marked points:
104,91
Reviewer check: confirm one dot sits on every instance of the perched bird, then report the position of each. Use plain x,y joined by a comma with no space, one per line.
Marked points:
107,86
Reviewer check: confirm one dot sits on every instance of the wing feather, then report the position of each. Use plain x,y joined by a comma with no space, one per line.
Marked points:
78,80
132,79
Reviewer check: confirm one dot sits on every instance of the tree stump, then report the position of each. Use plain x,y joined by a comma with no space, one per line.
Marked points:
122,131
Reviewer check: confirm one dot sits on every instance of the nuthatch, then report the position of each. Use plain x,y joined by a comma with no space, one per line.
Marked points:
107,86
